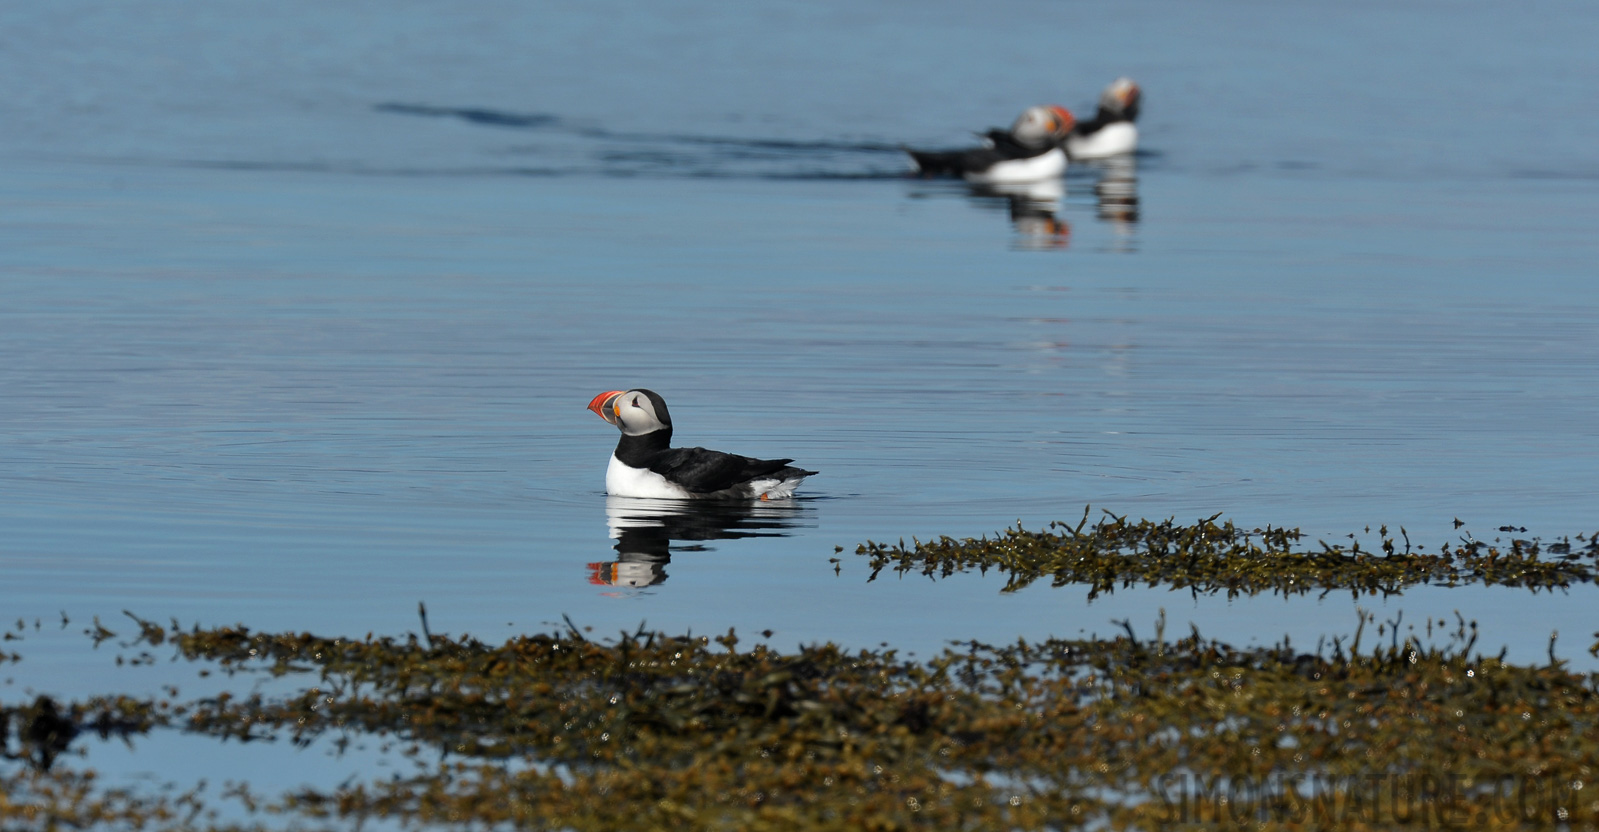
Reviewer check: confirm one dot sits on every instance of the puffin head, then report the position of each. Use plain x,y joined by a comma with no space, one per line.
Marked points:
635,412
1042,126
1121,98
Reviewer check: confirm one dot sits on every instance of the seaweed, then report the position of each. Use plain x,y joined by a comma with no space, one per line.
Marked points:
648,730
1210,558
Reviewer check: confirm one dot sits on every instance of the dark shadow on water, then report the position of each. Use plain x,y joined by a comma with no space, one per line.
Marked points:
625,153
648,532
500,118
475,115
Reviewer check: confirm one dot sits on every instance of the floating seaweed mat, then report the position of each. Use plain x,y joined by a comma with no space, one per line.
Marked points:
1207,557
654,731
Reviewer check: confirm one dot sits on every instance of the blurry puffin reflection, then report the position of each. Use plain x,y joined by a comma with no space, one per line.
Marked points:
1116,192
1032,211
645,530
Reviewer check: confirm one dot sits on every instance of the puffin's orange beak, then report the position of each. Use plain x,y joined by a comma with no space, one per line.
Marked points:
601,405
1067,120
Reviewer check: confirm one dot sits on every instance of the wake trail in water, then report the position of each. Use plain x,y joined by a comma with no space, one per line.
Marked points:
631,153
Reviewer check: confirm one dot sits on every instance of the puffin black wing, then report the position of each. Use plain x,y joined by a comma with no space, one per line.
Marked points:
955,162
1104,117
704,471
1002,147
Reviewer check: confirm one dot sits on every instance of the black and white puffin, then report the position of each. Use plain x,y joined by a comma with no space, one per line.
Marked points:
1029,151
645,464
1111,132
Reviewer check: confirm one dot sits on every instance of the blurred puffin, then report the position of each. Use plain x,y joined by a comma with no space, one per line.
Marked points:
645,464
1111,132
1028,152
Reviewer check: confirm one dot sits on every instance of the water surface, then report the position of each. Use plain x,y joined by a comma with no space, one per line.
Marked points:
302,307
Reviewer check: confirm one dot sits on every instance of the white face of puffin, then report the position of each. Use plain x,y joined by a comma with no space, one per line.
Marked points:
636,412
1041,126
1121,95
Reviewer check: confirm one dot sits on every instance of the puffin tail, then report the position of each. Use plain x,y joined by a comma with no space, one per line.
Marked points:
780,484
938,162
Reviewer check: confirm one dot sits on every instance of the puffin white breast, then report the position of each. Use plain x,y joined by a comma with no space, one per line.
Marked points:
1110,140
623,480
1031,169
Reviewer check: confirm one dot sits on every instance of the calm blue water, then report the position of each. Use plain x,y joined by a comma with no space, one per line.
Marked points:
300,307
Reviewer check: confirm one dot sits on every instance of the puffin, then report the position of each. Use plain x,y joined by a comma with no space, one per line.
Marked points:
1111,132
646,465
1030,151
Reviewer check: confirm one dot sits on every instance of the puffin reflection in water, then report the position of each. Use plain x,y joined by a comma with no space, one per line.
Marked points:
1033,207
646,531
646,465
1116,192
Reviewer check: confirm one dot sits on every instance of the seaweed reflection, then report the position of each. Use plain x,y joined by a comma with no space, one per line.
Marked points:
645,531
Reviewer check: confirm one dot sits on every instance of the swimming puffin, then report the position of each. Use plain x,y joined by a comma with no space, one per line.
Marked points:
1028,152
645,464
1111,132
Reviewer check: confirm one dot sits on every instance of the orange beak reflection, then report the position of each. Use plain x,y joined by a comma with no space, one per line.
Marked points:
601,405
